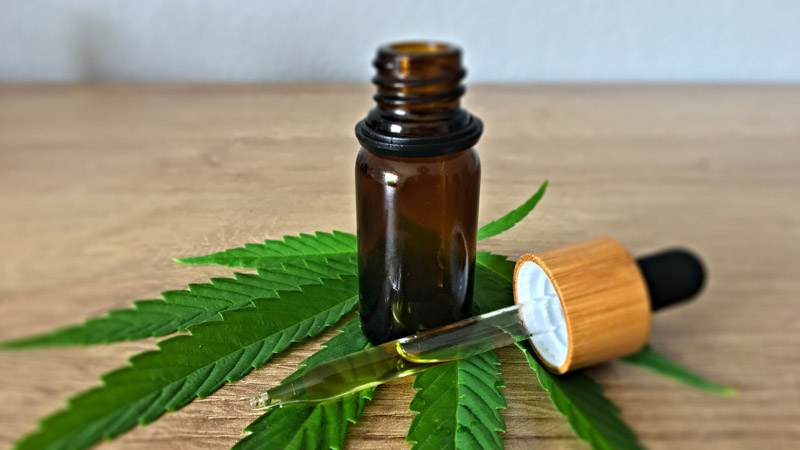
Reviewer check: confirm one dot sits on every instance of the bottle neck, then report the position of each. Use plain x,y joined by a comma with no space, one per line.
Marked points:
418,110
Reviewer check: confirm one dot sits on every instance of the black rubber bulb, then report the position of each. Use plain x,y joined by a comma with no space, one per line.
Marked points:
672,276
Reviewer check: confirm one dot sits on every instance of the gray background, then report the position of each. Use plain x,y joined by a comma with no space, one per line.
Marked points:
210,40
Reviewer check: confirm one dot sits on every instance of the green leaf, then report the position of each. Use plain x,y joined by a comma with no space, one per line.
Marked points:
195,365
170,378
492,290
272,253
658,363
458,405
509,220
182,309
590,414
321,426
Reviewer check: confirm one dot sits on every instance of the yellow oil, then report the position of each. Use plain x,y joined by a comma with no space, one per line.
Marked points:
342,376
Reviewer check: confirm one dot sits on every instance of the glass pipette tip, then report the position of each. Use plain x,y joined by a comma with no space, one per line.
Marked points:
409,355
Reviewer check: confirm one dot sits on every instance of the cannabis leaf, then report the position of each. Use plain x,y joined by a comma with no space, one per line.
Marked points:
319,426
90,414
512,218
492,290
200,303
458,405
275,252
590,414
244,326
658,363
195,365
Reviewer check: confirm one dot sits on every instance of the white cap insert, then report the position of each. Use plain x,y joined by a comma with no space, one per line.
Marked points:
542,313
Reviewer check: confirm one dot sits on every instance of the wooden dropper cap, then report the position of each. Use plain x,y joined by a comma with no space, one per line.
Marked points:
605,299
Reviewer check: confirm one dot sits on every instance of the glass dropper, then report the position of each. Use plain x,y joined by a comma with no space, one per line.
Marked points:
617,310
409,355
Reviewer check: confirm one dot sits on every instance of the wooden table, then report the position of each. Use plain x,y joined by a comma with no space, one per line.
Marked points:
102,185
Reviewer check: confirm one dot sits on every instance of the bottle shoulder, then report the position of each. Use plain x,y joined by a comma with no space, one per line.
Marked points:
467,159
376,166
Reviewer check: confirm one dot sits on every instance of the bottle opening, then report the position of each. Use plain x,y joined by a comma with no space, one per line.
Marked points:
417,62
420,47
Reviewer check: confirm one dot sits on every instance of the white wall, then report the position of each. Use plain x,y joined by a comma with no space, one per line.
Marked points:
544,40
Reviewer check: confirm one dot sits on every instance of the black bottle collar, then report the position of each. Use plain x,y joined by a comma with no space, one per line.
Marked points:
419,146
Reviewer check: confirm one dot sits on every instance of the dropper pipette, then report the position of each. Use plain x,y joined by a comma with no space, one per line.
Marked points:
405,356
579,305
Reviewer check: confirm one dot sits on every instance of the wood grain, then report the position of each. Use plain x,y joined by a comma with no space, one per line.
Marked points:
102,185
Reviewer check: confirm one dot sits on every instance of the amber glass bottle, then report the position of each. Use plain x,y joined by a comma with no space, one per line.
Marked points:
417,188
